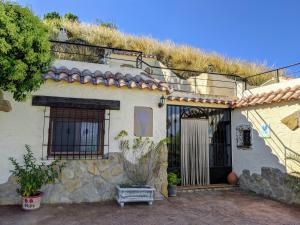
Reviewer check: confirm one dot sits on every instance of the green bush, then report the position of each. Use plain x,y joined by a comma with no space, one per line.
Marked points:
32,176
52,16
173,179
71,17
24,50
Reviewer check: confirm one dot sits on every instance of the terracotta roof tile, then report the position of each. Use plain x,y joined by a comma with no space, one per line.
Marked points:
296,95
199,99
107,78
289,93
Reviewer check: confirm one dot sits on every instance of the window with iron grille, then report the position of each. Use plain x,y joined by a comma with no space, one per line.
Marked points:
76,133
244,136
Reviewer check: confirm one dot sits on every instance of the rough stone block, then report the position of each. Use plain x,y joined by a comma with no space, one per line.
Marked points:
84,181
270,184
5,106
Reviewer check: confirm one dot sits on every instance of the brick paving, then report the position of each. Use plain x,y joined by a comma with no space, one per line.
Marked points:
203,207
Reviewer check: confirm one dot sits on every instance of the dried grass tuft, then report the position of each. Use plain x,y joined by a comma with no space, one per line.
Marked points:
169,53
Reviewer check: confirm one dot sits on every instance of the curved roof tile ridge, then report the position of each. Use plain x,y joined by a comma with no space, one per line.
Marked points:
107,78
274,96
200,99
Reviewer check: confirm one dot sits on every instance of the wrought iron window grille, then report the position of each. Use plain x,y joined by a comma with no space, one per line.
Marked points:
72,133
244,136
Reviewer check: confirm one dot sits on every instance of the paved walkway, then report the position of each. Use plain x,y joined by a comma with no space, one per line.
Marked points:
205,207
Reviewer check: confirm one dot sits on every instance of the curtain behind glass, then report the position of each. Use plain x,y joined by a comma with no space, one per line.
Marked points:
194,152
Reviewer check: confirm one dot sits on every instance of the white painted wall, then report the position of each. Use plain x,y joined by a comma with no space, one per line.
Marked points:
207,84
24,124
268,152
257,156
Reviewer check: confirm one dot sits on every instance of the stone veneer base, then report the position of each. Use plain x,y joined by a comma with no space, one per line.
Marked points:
86,181
271,183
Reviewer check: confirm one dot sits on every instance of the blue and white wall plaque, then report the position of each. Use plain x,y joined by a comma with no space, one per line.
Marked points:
264,131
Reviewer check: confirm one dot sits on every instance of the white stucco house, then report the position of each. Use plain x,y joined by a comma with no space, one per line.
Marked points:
213,123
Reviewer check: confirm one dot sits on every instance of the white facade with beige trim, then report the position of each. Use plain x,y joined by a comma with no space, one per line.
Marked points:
24,124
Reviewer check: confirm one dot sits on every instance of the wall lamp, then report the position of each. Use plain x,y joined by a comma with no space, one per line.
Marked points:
161,101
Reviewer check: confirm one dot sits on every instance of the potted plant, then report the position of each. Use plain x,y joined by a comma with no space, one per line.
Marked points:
173,180
140,160
32,176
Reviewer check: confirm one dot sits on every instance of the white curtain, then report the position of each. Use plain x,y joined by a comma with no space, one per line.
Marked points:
194,152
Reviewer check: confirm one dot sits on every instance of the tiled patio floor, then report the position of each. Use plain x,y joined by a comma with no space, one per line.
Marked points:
204,207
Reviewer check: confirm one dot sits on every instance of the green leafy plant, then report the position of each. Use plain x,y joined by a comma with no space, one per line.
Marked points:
173,179
32,176
71,17
52,16
141,158
24,50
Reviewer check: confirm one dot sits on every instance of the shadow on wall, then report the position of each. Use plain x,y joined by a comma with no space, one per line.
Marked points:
278,144
258,155
274,144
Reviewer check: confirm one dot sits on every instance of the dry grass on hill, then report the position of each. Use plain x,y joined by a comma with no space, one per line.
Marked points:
172,55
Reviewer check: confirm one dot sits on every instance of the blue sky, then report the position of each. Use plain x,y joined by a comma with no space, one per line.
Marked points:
254,30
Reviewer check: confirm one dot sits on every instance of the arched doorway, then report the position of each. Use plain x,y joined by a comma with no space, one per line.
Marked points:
219,138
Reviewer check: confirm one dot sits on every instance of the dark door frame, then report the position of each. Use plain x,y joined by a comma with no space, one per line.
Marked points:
220,139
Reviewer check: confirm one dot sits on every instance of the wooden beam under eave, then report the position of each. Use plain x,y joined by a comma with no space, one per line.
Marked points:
82,103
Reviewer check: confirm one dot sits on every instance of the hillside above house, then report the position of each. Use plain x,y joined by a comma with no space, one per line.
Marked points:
168,53
120,67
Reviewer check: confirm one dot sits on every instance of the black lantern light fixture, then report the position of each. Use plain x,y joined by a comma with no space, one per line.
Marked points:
161,101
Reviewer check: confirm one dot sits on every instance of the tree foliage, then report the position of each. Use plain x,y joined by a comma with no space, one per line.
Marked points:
24,50
71,17
52,16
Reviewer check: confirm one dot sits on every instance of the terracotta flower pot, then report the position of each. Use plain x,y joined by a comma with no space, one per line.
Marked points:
32,202
232,178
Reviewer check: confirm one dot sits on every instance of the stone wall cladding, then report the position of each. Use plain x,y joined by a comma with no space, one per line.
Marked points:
85,181
271,183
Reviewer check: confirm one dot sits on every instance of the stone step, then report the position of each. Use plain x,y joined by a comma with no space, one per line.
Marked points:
183,189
